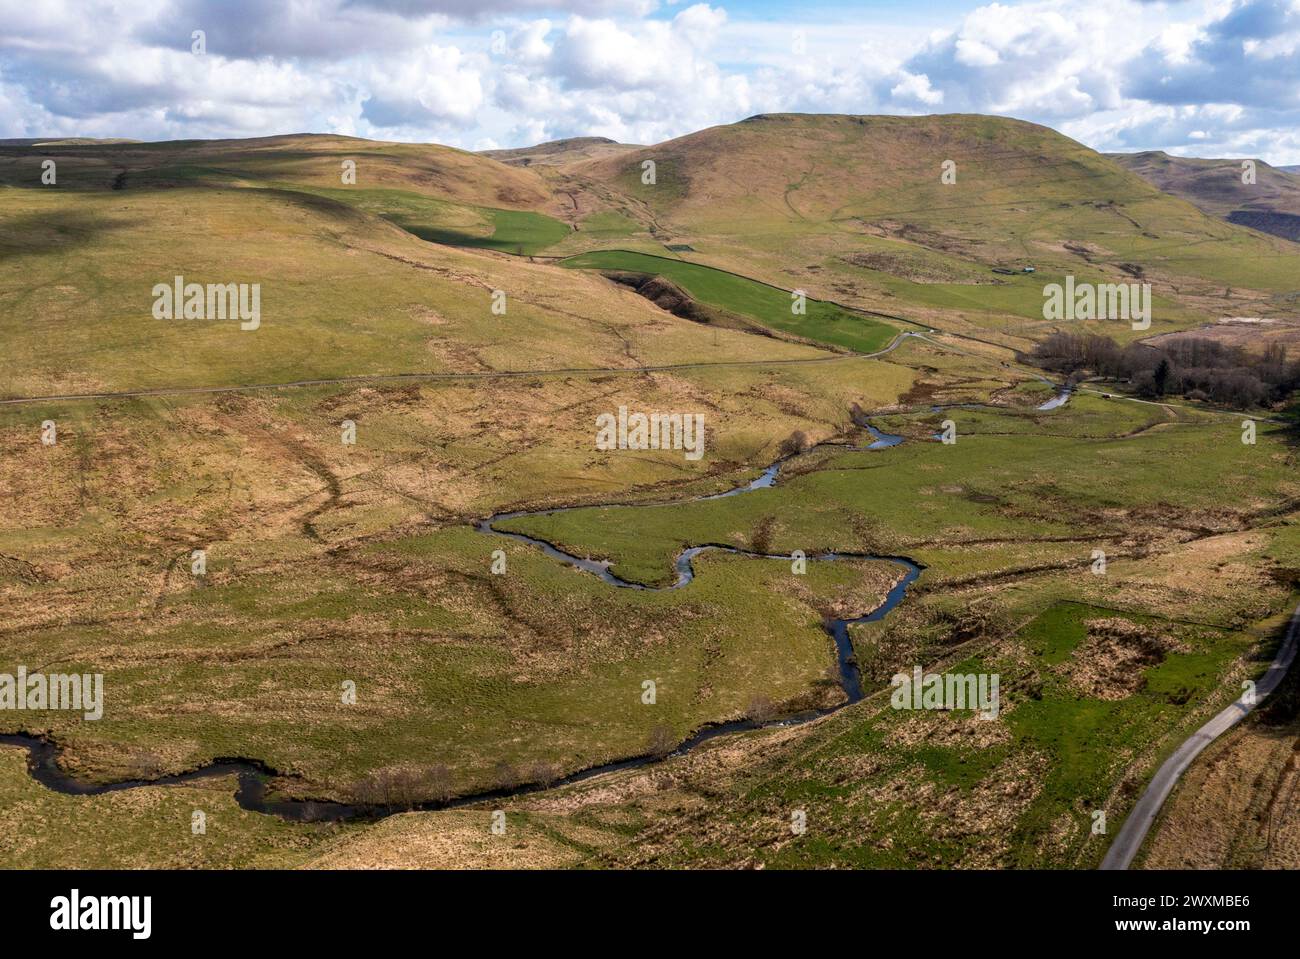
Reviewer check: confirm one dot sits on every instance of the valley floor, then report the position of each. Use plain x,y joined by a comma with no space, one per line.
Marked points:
372,554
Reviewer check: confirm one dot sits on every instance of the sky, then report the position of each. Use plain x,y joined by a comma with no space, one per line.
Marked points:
1192,77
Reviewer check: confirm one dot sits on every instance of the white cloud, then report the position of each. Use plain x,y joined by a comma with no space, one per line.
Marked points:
437,84
666,55
1120,74
975,53
916,86
530,45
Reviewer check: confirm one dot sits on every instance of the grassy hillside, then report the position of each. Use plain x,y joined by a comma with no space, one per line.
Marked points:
769,306
1271,204
853,208
849,208
309,159
343,293
330,561
437,193
556,152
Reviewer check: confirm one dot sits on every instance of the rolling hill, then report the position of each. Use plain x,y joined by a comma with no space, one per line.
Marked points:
557,152
1271,204
853,208
395,486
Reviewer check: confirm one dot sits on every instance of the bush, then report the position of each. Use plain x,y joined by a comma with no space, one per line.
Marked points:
661,742
793,444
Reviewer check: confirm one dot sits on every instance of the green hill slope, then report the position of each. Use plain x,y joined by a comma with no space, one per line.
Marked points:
853,206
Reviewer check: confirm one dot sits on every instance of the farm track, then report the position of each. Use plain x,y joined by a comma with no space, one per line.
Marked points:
1131,835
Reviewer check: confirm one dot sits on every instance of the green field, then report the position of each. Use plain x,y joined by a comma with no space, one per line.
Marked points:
513,231
520,232
770,306
1014,476
330,561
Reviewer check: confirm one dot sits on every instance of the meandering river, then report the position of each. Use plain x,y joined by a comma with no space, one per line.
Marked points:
251,794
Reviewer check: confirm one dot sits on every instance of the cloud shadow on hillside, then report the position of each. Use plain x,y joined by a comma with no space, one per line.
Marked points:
51,232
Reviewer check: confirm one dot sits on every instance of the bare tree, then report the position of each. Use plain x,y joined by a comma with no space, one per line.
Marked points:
404,787
543,774
437,783
661,742
760,708
1195,367
506,775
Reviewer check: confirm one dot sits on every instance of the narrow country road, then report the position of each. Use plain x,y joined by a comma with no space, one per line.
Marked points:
1129,841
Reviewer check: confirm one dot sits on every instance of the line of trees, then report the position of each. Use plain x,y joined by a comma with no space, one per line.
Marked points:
404,787
1193,367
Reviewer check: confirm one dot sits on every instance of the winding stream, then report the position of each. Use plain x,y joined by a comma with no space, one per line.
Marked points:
251,794
1060,399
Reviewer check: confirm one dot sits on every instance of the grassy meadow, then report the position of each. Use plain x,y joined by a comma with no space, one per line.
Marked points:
329,562
771,307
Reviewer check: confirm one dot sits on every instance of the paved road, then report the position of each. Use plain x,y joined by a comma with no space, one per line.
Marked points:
1129,841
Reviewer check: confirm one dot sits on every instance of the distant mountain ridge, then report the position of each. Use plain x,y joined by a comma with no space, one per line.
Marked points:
556,152
1270,204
